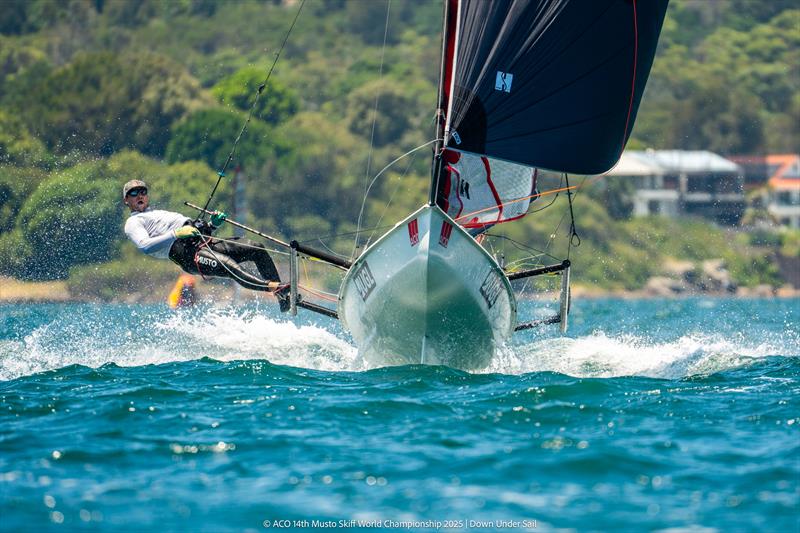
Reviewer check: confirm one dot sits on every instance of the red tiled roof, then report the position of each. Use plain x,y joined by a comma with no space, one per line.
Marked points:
787,173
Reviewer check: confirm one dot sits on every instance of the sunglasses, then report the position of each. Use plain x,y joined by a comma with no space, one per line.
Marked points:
136,192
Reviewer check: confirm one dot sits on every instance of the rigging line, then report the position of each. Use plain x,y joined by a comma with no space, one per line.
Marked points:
503,204
330,297
316,292
246,245
346,234
561,220
328,248
521,246
552,238
366,194
528,262
563,216
533,259
391,198
552,235
552,201
313,290
221,173
375,112
574,239
555,231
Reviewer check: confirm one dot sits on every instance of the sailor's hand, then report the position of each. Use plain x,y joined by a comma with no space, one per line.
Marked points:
186,232
217,218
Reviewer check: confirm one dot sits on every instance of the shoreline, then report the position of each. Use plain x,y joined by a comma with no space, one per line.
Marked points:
14,291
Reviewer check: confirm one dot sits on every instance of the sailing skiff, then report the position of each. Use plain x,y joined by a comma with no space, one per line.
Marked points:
524,86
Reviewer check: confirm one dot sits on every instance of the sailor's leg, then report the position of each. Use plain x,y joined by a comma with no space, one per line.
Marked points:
244,250
182,254
212,262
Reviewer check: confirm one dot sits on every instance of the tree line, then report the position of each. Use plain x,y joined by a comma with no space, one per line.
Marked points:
96,92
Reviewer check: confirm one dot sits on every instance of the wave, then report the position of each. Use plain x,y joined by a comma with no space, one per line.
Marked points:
220,335
131,339
605,356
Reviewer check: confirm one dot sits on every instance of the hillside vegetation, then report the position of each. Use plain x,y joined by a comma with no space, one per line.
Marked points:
96,92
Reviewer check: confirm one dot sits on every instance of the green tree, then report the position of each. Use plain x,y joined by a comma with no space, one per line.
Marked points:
731,90
718,118
102,103
368,20
322,174
15,57
391,119
17,145
16,184
618,196
25,16
275,104
208,136
72,218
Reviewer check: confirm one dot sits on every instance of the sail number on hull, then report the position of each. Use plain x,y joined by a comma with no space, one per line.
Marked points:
491,288
364,281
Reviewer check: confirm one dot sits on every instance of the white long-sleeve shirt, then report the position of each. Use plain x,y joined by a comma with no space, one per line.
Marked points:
153,230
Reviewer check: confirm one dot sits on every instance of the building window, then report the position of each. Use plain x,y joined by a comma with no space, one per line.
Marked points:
785,198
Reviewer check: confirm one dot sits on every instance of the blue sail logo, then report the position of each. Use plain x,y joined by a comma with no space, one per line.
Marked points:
503,81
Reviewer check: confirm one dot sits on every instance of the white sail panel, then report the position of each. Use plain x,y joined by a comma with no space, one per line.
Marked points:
480,191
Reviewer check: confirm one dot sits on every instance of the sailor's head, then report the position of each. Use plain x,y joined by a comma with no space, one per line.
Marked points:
134,195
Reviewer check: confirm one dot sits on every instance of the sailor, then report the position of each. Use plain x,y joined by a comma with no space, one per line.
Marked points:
188,243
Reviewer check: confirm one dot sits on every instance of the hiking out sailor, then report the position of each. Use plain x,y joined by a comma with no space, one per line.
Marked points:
189,244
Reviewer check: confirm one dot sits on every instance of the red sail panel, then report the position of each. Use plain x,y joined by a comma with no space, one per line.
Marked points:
449,50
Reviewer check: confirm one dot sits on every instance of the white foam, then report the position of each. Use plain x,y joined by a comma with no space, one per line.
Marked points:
600,355
255,336
225,335
219,335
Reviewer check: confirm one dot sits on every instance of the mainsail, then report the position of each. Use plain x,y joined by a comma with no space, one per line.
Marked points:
551,84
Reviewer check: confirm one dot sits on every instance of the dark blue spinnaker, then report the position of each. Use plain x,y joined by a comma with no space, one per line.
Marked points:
552,84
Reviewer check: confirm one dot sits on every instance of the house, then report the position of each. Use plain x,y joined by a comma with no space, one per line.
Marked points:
650,198
684,182
756,171
784,189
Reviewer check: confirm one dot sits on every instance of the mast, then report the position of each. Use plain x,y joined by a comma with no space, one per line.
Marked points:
441,104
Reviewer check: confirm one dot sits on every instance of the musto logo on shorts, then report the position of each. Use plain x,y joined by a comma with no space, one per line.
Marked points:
206,261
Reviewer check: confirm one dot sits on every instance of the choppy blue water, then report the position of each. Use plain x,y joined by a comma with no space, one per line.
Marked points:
649,415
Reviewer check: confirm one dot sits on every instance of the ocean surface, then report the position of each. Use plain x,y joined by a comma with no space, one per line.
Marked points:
658,415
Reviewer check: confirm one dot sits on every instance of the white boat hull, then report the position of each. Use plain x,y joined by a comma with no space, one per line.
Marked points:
427,293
